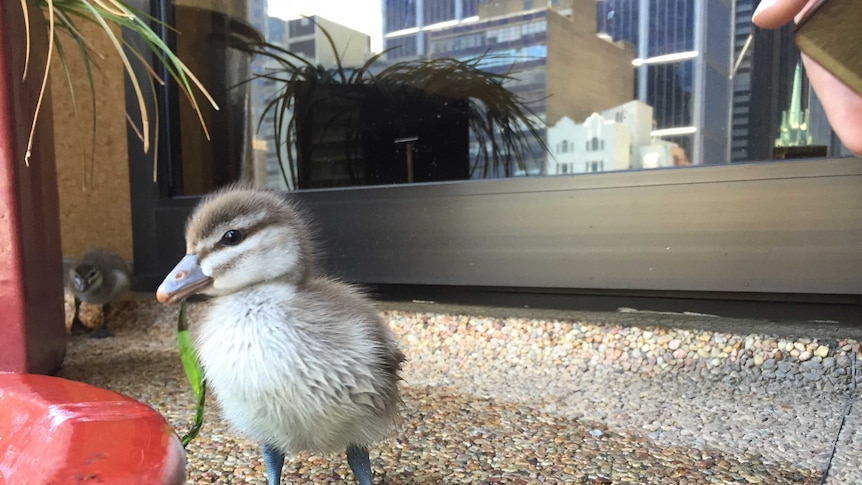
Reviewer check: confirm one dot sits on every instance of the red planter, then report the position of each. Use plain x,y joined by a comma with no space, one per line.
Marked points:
32,326
55,431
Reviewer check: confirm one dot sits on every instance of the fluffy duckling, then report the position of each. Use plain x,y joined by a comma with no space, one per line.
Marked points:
99,277
296,362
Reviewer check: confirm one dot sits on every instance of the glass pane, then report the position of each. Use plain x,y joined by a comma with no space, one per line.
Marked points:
371,92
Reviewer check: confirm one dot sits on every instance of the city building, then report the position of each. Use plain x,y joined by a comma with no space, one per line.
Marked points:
597,145
619,138
558,65
406,23
305,37
684,50
743,46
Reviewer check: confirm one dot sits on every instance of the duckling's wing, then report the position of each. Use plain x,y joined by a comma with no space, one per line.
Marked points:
349,323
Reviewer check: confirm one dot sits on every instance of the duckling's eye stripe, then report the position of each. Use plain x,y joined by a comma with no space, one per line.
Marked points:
228,217
211,244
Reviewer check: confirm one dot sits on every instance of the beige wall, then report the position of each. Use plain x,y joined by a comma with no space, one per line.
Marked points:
93,211
585,73
353,46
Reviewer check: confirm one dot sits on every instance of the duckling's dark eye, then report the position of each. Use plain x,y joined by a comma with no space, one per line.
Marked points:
231,238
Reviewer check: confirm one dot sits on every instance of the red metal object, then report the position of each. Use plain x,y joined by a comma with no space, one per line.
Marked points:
32,325
53,431
56,432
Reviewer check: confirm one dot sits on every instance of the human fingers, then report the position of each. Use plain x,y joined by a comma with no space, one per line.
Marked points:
842,105
771,14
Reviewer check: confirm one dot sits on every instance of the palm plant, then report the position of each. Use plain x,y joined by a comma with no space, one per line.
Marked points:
64,16
501,122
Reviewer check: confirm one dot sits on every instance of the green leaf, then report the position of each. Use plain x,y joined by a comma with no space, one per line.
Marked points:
194,373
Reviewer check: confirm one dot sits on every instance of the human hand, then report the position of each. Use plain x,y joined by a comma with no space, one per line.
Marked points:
843,106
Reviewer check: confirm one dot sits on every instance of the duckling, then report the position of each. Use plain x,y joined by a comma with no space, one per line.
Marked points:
99,277
296,361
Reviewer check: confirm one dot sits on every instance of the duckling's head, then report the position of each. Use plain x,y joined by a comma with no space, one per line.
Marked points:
236,238
85,277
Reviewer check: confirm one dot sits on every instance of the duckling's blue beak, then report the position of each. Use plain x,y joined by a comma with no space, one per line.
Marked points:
185,279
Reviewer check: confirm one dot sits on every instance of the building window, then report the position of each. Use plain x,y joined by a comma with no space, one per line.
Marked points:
400,14
565,146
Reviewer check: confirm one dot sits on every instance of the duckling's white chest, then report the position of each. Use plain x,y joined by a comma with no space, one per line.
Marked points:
273,379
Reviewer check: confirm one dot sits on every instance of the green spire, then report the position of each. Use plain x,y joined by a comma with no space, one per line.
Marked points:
794,121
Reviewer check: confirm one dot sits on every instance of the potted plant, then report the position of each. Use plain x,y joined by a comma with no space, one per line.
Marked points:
382,123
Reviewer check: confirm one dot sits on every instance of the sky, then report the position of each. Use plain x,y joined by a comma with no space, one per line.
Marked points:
362,15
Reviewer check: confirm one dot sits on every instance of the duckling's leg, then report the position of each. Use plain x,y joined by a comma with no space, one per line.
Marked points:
78,327
357,458
273,458
102,331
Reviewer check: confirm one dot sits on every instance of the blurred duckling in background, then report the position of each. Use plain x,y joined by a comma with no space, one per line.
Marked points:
98,278
296,362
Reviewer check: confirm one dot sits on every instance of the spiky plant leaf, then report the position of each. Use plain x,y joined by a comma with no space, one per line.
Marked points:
105,14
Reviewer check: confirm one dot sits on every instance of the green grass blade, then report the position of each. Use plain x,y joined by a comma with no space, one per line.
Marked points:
194,373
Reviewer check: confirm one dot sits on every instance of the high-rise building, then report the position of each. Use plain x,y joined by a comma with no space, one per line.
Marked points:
684,50
406,23
557,63
743,47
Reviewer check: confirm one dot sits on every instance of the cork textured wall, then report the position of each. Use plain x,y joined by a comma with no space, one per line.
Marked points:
94,190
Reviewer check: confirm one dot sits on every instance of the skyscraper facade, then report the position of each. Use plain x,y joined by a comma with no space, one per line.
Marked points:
406,23
684,60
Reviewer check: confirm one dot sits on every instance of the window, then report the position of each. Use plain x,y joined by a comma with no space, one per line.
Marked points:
670,100
670,90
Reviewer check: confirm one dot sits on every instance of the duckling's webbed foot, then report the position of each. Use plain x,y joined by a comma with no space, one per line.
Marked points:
273,458
102,332
357,458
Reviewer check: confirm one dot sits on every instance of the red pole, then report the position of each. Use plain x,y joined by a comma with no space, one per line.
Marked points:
32,322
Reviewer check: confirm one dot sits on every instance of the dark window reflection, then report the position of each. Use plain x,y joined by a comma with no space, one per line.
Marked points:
669,91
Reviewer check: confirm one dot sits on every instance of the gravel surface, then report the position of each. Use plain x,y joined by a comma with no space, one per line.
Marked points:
514,400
